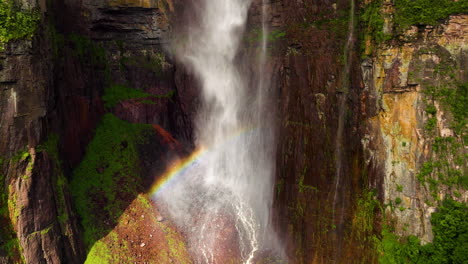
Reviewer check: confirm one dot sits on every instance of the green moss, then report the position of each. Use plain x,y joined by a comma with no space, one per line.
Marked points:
29,166
117,247
117,93
99,254
431,109
145,202
16,23
279,186
363,225
256,35
89,53
398,201
13,205
372,23
463,181
88,50
340,24
446,167
42,232
303,187
149,102
9,244
154,63
57,42
399,188
431,124
13,249
107,175
20,156
456,100
177,247
425,12
50,146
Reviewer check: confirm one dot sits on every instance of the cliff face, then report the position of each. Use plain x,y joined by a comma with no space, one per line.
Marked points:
94,105
51,104
34,193
415,124
320,165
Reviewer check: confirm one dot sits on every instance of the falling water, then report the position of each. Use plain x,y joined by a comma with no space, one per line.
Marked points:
230,184
338,198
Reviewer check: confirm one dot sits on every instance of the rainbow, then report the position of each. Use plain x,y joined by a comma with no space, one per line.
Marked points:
174,169
180,165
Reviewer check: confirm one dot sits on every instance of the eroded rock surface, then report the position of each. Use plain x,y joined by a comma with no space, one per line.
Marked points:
402,74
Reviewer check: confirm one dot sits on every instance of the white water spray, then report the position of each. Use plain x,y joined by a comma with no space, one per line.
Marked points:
231,184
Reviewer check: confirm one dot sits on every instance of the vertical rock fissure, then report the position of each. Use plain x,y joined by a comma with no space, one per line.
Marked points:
338,197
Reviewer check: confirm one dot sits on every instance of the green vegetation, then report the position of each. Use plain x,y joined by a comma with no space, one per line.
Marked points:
304,187
398,201
15,23
10,211
88,50
118,246
337,24
399,188
456,100
275,35
447,160
57,42
407,13
372,22
117,93
99,254
13,249
20,156
108,177
41,232
155,62
396,250
372,18
256,35
279,187
50,146
363,222
9,243
425,12
446,167
450,227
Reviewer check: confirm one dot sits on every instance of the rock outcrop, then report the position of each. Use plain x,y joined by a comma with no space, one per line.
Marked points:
51,88
402,78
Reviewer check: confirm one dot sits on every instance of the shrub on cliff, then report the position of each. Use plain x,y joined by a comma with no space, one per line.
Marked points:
426,12
450,227
15,23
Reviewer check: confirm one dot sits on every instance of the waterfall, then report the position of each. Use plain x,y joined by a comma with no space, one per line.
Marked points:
229,184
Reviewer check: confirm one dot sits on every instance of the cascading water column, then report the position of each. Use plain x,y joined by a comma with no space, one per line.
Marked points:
230,184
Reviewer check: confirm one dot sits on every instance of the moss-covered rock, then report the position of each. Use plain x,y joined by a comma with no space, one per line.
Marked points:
109,176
